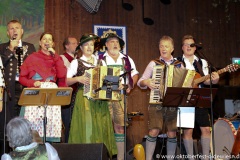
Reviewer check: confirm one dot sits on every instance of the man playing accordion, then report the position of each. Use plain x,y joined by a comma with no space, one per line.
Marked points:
114,58
160,118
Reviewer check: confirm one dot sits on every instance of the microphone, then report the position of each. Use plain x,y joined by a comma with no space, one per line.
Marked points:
198,46
14,37
97,90
51,53
124,74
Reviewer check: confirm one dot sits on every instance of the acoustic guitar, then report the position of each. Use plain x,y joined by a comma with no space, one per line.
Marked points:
198,79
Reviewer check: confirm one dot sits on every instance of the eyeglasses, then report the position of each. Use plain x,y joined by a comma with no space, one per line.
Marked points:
188,45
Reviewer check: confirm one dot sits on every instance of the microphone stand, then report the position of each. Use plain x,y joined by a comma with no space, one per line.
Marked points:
201,55
211,99
124,75
108,86
211,95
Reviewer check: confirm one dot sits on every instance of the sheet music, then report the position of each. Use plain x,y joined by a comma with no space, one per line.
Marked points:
187,117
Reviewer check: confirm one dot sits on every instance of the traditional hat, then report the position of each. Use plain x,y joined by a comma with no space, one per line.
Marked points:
112,35
85,38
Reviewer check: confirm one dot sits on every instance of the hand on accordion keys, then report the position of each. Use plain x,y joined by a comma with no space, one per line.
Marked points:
83,79
151,83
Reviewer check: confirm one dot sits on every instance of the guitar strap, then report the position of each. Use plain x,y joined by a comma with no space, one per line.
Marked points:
199,67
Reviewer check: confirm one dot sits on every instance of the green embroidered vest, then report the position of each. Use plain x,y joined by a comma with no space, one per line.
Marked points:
37,153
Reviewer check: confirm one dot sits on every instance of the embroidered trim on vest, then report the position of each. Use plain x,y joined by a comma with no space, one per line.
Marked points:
175,62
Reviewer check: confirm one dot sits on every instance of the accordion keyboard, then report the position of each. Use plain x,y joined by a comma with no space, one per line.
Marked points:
87,86
169,76
158,75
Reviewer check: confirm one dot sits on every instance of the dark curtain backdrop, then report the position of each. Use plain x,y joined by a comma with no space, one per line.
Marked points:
214,23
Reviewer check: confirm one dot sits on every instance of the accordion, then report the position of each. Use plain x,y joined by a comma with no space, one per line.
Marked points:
169,76
104,83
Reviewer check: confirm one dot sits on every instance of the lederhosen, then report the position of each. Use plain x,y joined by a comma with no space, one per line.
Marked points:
160,117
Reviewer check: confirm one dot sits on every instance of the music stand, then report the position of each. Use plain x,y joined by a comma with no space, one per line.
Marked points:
188,97
45,97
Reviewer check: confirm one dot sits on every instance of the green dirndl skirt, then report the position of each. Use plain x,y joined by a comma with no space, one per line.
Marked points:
92,123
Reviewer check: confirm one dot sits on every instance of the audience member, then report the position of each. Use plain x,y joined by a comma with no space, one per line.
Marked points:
19,135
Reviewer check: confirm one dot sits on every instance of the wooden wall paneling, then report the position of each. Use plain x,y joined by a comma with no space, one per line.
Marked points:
177,27
219,41
55,20
233,37
139,47
205,21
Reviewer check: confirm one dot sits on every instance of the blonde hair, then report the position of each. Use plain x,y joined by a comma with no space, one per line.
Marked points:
166,38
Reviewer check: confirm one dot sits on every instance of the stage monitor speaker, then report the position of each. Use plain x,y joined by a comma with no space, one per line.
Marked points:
95,151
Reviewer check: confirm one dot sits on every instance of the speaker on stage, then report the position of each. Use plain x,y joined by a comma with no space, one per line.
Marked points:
95,151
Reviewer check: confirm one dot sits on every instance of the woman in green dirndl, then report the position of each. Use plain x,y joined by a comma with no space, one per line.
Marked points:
91,121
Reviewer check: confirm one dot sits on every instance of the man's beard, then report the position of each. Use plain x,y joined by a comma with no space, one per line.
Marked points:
114,51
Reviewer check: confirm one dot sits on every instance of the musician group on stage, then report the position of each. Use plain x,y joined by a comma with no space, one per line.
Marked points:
94,119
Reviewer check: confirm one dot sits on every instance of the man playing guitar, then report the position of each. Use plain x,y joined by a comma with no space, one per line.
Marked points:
192,62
